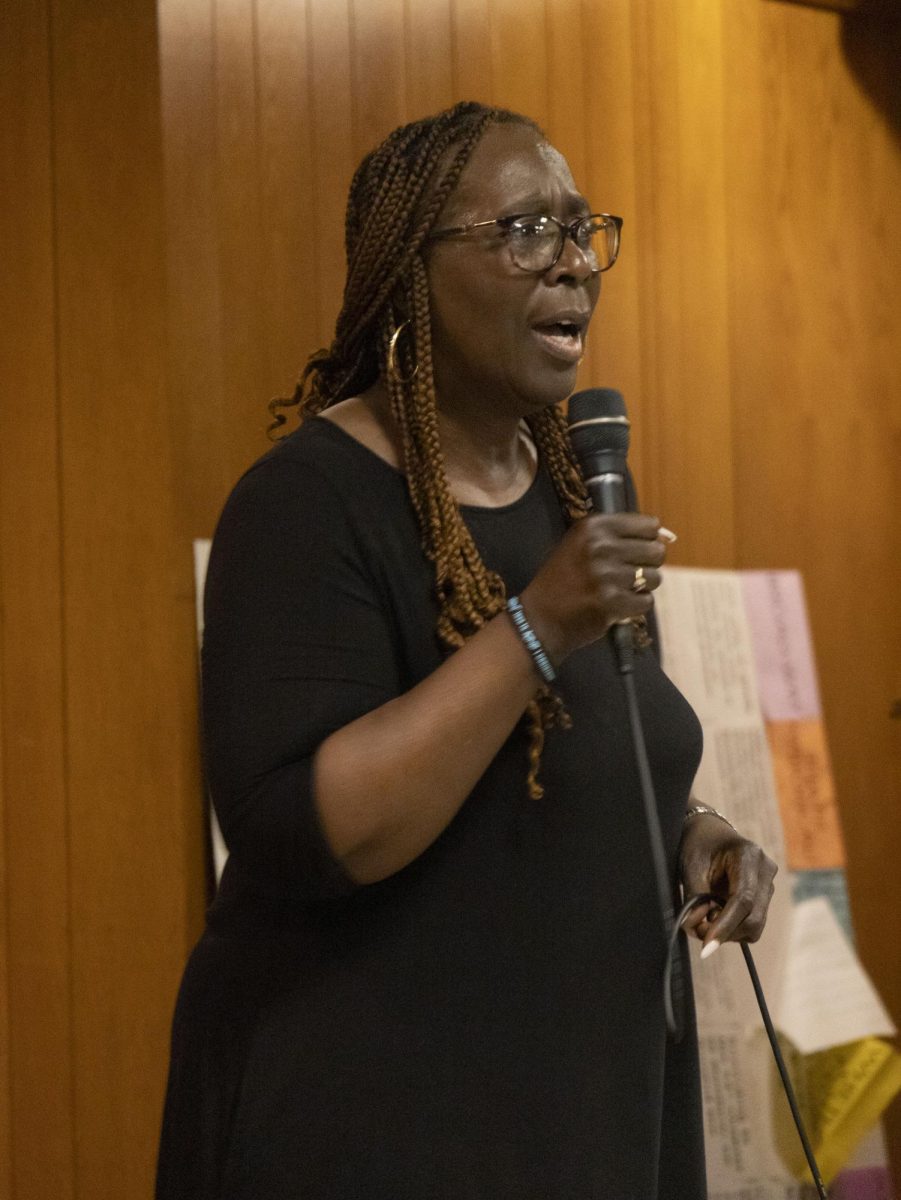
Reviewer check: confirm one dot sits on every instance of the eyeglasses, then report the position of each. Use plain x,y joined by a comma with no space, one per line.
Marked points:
535,241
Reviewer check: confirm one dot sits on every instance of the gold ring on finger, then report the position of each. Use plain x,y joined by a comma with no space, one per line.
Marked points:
639,583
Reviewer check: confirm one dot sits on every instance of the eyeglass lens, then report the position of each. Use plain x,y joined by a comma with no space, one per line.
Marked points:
536,242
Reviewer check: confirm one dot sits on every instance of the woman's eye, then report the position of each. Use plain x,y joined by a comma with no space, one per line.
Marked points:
524,231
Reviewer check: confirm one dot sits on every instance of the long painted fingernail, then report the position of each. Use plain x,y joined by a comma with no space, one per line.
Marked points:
666,534
710,948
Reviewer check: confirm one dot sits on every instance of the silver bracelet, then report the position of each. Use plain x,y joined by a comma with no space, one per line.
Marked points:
530,640
698,810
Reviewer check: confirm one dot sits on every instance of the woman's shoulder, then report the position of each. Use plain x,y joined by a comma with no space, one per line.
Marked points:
365,419
318,477
322,449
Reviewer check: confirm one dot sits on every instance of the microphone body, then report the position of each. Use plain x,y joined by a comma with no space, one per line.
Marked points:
608,492
599,433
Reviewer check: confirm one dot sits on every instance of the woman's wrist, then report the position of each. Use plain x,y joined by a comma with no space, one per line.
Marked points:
531,640
702,810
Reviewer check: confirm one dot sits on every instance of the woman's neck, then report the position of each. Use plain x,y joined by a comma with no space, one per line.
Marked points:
489,463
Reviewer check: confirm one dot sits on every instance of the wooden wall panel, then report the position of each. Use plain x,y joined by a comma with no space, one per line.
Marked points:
334,159
178,236
816,395
37,1125
519,66
378,71
616,341
684,285
195,367
128,637
429,54
472,71
287,245
238,204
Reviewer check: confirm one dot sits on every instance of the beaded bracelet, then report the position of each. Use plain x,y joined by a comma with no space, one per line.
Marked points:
530,640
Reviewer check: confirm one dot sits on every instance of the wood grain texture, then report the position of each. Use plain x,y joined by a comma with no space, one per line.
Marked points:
195,367
177,252
128,638
378,71
816,395
612,182
429,61
334,160
39,1128
471,67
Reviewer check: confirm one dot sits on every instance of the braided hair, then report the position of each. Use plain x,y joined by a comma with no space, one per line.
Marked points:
384,329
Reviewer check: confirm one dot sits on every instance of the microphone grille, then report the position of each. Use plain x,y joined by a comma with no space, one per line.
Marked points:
598,423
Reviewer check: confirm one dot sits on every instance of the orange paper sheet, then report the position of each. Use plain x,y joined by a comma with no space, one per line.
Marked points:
804,785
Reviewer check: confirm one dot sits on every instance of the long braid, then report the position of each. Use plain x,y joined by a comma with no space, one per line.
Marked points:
395,198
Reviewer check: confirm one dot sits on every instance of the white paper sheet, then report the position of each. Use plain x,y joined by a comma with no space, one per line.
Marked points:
826,997
201,559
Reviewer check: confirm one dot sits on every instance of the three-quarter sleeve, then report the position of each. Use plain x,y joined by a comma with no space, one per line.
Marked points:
297,644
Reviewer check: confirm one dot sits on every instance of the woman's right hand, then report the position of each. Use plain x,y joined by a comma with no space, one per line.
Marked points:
588,582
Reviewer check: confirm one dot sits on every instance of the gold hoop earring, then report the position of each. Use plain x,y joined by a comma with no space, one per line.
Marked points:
391,364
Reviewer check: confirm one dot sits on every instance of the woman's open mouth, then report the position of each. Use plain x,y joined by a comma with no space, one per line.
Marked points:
562,339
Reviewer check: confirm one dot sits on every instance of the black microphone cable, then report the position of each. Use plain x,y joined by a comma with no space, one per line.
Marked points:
601,447
599,432
767,1024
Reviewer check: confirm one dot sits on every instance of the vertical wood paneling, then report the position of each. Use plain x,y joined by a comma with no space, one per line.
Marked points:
128,642
429,70
378,39
334,160
196,372
239,188
519,67
472,72
816,393
750,323
39,1128
616,343
684,280
287,248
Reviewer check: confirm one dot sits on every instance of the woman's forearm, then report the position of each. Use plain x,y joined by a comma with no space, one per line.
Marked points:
389,783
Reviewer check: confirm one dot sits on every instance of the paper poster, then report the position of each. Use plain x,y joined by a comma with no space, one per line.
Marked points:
790,702
737,644
781,644
201,559
813,836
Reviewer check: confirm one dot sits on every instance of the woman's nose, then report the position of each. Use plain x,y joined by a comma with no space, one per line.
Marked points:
572,262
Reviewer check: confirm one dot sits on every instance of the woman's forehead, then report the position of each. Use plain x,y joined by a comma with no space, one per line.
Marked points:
513,168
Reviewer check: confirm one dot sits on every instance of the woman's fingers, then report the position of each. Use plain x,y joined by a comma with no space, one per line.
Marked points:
750,874
698,919
716,860
604,570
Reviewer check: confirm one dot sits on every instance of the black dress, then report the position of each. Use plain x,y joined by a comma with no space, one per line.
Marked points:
487,1023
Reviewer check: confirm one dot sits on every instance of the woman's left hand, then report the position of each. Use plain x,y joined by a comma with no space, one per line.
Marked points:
713,857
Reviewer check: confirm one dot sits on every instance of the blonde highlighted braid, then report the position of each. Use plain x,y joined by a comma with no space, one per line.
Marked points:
395,198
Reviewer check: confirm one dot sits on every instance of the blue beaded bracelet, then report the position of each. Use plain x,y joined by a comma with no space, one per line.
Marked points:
530,640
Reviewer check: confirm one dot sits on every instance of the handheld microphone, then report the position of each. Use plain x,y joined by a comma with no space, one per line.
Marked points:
599,433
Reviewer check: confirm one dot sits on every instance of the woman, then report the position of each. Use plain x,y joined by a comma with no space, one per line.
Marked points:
433,969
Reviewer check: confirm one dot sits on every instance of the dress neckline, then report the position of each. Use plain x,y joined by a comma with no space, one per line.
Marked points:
473,509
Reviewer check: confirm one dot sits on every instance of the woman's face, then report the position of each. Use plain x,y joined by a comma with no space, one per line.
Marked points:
495,328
